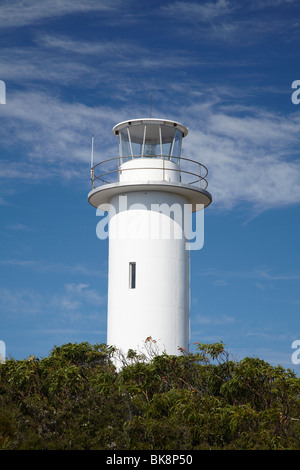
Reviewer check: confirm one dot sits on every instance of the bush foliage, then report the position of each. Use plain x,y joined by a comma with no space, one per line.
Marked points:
77,399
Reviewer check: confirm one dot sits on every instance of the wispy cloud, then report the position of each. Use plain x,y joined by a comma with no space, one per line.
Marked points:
42,318
18,227
227,20
55,134
204,11
257,4
111,66
107,49
25,12
258,274
46,267
116,56
212,320
76,299
18,302
252,157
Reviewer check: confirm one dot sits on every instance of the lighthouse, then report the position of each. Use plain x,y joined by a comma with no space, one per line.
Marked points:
149,193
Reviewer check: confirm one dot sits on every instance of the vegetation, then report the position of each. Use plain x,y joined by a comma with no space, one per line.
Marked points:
77,399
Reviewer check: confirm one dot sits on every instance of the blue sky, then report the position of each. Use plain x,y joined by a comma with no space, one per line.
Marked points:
224,69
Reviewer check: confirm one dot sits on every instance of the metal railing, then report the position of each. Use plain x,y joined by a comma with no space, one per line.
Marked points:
197,177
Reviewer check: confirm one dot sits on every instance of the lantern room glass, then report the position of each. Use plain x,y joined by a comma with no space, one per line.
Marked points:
150,141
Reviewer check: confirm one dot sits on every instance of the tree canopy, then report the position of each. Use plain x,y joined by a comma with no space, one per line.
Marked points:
77,399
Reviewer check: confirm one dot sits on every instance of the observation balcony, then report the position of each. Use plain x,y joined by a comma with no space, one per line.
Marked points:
149,168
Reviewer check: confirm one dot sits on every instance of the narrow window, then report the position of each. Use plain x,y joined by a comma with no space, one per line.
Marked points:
132,275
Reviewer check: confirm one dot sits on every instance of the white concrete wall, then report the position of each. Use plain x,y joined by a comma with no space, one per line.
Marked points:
159,305
149,169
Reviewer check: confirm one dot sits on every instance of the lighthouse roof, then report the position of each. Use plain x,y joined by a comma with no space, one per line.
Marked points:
150,121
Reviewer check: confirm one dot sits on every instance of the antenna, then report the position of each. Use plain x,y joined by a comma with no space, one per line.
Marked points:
92,160
151,106
92,155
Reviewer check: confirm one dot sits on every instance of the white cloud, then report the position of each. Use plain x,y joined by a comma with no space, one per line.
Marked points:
229,21
204,11
77,296
76,312
258,4
18,227
30,65
20,302
56,134
78,299
220,282
65,59
57,61
46,267
256,274
26,12
213,320
107,49
251,154
252,158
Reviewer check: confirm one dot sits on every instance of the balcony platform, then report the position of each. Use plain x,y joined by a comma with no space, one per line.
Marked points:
198,198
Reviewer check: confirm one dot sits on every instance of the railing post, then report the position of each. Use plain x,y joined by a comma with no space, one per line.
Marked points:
200,175
92,177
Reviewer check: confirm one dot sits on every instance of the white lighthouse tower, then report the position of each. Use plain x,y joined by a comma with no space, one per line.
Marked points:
147,191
